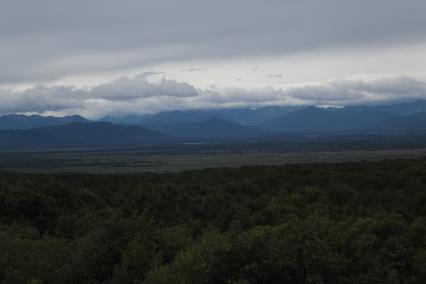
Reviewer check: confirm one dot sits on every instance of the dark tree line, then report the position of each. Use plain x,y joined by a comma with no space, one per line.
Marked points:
314,223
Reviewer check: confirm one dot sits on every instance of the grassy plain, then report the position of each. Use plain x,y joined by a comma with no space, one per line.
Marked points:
165,160
190,155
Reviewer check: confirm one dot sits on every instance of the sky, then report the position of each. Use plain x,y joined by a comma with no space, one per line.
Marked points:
108,57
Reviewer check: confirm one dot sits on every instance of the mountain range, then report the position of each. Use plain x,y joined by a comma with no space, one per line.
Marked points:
29,132
80,134
349,118
244,116
283,119
320,119
416,121
209,128
20,121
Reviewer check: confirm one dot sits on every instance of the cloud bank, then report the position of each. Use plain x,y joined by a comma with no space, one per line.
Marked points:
140,95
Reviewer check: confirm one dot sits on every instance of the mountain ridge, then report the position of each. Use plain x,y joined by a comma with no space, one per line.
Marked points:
209,128
80,134
20,121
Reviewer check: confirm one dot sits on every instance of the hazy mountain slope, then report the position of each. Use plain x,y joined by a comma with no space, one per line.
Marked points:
283,118
253,116
212,127
396,109
17,121
245,116
415,121
79,135
320,119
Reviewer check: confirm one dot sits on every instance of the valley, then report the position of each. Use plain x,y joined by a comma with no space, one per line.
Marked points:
187,157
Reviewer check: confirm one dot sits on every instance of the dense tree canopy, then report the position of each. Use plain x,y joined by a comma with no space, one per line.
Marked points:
314,223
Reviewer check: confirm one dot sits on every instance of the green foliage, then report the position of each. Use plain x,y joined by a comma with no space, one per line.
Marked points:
313,223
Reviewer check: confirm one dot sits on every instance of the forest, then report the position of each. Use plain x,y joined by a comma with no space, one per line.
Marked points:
360,222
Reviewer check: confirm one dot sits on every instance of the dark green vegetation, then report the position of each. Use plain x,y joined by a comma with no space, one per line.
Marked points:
310,223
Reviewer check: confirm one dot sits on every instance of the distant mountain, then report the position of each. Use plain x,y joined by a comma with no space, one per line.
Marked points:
79,134
212,127
356,117
253,116
415,121
125,120
18,121
325,119
166,117
207,123
396,109
244,116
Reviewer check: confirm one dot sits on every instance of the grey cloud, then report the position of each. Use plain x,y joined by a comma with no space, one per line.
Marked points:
344,92
193,70
129,88
41,98
47,39
138,95
335,92
125,90
275,76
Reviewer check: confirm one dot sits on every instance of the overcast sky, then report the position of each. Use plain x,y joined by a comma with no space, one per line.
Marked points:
98,57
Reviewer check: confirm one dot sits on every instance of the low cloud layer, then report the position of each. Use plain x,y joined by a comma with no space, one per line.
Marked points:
139,95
